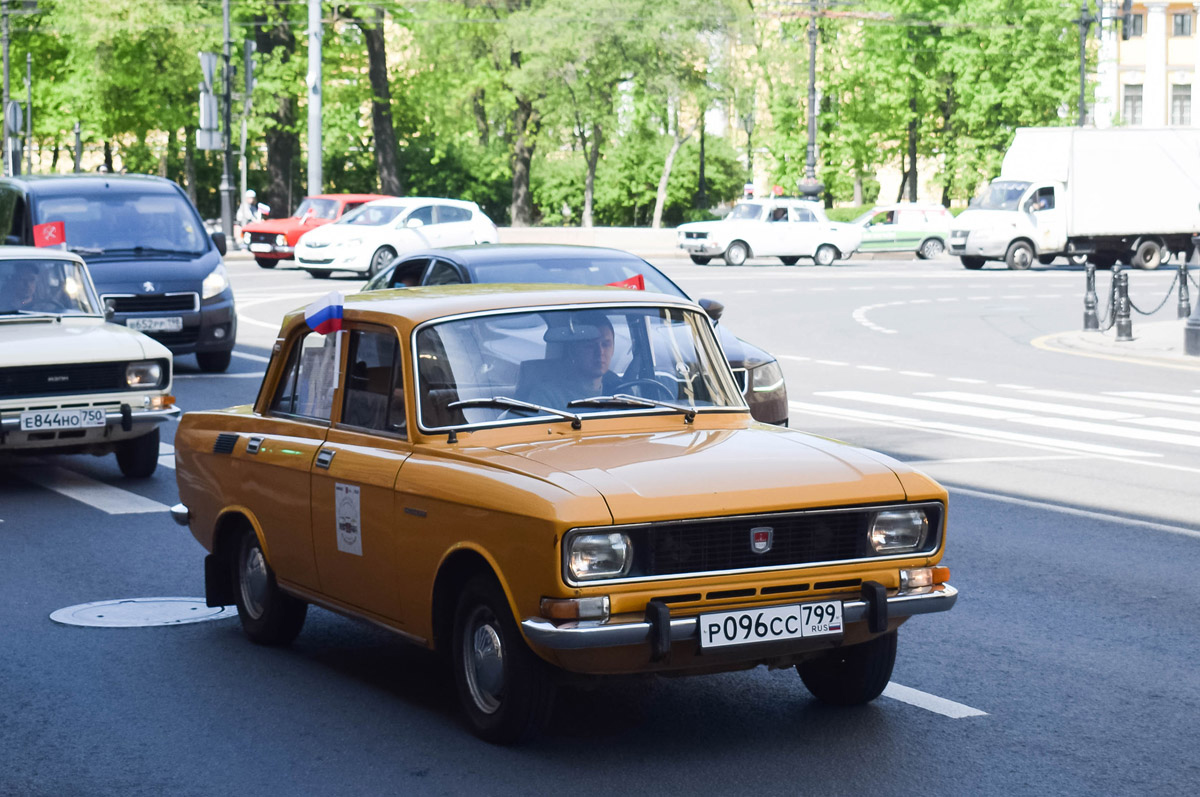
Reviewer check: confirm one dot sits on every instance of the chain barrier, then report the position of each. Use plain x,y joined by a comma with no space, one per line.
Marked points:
1110,315
1192,279
1162,304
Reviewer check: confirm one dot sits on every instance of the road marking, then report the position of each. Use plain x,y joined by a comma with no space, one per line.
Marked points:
921,374
166,455
1032,406
1117,402
830,362
98,495
918,404
795,357
1157,397
258,358
1169,423
938,705
1070,510
872,368
964,380
1016,387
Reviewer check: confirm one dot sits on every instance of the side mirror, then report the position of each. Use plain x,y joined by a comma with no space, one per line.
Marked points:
109,312
713,308
218,238
414,223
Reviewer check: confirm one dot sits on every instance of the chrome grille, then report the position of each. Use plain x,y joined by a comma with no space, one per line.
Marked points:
153,302
46,380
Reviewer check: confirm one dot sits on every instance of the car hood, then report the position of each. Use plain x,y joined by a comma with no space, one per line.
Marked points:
984,219
286,225
165,274
74,340
703,473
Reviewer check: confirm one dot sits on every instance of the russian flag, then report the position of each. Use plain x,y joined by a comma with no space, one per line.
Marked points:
325,314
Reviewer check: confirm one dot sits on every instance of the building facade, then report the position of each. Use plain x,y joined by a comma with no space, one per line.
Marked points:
1149,79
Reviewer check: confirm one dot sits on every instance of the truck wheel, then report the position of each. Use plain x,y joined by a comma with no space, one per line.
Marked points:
825,255
1019,256
1077,260
1147,256
737,253
700,260
851,676
930,248
1046,260
266,262
972,263
505,690
269,615
138,458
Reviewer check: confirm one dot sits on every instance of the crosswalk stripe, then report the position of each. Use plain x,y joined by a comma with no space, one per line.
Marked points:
1110,430
1169,423
1032,406
1111,401
99,495
918,404
1137,394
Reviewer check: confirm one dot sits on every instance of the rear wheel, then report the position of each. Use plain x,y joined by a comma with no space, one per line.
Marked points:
1148,255
825,255
320,273
737,253
1078,260
790,260
930,248
1020,256
214,362
138,458
269,615
266,262
505,690
700,260
380,260
972,263
853,675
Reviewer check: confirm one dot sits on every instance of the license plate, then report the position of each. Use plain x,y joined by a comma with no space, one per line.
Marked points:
260,247
170,324
957,241
52,420
751,626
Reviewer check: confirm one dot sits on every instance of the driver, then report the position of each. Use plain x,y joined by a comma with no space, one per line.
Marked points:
20,289
583,371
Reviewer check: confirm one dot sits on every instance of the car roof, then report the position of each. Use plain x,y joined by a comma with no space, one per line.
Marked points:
351,197
417,305
79,183
495,254
37,253
408,200
910,206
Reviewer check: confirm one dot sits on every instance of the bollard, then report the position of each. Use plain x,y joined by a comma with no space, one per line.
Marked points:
1124,323
1090,319
1185,303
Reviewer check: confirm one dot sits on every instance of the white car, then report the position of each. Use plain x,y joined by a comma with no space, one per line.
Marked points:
785,228
366,240
71,381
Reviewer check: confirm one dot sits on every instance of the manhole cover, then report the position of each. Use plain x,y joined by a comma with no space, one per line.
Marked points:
141,612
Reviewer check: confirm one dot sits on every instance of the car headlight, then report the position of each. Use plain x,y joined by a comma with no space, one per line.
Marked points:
281,240
898,530
245,237
215,283
766,378
593,556
147,373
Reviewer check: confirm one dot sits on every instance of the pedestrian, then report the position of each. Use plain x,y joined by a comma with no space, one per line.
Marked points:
248,212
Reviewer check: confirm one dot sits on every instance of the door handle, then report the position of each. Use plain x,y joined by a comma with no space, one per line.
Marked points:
253,445
324,457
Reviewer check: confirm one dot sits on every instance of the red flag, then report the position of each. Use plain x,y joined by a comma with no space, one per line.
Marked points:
635,283
52,233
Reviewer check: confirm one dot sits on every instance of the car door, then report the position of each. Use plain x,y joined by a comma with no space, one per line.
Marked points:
278,482
910,230
879,233
354,525
1048,220
802,233
420,230
455,227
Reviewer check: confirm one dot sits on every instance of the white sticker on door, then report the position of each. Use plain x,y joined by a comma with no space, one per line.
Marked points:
349,527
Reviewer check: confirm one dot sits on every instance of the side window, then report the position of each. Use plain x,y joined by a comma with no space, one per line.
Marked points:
802,215
442,273
374,394
408,273
447,214
307,386
349,206
425,214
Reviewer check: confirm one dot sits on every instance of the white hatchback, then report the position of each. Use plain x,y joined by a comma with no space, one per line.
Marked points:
785,228
366,240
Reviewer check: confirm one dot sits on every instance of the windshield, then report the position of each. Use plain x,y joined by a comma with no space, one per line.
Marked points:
552,358
61,287
745,210
1000,195
575,271
371,215
317,209
107,221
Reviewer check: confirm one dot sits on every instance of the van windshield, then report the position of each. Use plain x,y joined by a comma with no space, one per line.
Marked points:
1001,195
119,222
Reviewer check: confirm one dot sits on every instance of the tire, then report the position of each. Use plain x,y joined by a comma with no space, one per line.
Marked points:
1020,256
931,248
138,457
700,260
973,263
1147,256
790,260
1077,260
737,253
214,362
851,676
319,273
266,262
825,255
380,260
506,691
1046,260
269,615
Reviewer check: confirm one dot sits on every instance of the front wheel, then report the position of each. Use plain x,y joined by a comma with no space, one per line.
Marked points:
973,263
319,273
269,615
853,675
505,690
931,248
266,262
700,260
380,260
138,458
1020,256
789,261
1077,260
737,253
825,255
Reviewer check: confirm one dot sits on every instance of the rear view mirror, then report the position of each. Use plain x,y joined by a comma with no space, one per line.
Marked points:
713,308
218,239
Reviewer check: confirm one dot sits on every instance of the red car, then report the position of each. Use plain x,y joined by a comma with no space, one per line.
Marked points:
273,240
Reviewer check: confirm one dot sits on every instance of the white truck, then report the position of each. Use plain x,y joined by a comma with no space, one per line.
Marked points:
1128,194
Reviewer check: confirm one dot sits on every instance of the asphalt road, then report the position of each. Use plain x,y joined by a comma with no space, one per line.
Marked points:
1069,665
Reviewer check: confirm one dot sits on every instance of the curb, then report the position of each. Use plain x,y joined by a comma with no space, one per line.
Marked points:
1093,344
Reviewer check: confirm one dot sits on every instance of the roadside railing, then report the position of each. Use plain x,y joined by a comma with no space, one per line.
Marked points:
1119,306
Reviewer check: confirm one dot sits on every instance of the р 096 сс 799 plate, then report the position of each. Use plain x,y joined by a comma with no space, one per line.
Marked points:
750,626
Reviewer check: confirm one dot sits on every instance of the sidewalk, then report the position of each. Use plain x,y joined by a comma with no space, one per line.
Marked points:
1157,343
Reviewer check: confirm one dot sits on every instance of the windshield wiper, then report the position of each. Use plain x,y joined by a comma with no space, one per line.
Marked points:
515,404
148,250
31,314
626,400
86,250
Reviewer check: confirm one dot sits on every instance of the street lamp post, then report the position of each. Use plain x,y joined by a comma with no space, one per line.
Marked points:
810,186
748,123
1085,23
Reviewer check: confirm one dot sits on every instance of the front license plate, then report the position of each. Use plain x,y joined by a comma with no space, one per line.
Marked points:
751,626
170,324
52,420
260,247
958,241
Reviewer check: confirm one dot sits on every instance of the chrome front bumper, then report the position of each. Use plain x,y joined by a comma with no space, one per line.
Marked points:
582,635
125,418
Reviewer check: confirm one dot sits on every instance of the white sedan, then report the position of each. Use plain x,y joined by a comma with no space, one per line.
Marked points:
785,228
366,240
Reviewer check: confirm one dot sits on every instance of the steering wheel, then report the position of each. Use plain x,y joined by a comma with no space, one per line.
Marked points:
664,393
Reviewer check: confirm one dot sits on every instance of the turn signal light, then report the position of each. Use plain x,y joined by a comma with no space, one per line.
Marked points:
941,575
576,608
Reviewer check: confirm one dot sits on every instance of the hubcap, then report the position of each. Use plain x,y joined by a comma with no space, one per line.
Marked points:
254,582
483,661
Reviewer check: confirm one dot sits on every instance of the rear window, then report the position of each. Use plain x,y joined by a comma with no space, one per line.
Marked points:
574,271
112,221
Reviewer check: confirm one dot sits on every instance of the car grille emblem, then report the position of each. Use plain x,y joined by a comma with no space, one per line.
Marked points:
148,286
59,378
761,538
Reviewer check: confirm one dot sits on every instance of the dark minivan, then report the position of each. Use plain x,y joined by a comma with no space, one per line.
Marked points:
155,267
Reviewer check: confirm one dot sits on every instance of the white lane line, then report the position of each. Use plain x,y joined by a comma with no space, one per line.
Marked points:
830,362
972,460
258,358
1109,430
872,368
99,495
1157,397
918,404
921,374
1032,406
1169,423
938,705
795,357
1015,387
964,380
1182,531
1116,402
